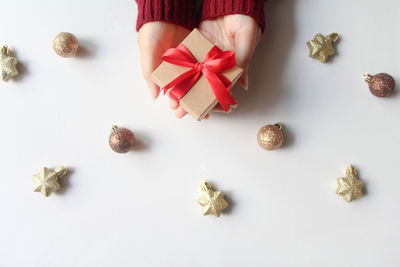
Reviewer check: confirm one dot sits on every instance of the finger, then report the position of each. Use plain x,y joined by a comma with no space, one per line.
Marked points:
180,112
245,44
154,89
149,62
219,108
173,104
244,79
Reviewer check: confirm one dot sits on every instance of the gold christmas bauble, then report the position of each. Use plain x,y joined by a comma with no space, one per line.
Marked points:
270,137
66,44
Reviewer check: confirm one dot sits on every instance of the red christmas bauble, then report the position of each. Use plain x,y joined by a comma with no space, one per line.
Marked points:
381,85
121,140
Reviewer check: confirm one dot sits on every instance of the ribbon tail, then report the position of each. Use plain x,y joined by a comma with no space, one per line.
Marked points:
221,90
182,84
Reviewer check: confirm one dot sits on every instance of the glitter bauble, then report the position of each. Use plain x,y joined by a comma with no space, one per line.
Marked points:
8,64
121,140
270,137
380,85
66,44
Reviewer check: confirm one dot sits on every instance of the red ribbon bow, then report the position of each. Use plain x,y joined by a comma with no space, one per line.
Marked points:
215,62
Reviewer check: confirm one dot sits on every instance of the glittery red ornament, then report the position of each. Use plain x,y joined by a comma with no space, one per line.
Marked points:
380,85
121,140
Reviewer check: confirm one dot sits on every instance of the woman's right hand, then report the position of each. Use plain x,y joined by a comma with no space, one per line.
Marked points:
154,38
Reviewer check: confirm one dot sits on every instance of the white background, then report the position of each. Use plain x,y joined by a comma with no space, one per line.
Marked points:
140,209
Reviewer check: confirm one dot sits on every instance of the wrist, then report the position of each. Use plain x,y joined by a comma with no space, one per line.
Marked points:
217,8
178,12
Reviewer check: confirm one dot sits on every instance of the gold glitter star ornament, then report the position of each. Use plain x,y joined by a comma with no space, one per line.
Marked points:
350,187
321,47
212,202
46,181
8,64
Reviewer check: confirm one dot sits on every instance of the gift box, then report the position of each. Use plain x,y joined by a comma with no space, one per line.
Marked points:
198,75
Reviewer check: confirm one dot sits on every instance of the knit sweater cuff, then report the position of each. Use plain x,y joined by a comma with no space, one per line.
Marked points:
179,12
216,8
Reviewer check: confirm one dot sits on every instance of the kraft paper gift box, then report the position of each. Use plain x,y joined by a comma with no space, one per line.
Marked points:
200,99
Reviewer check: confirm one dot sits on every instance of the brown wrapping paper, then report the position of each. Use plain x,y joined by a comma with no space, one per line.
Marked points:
200,99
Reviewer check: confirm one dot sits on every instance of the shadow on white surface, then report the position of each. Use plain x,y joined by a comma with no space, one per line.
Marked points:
142,142
365,181
22,67
229,199
289,137
268,63
65,182
87,49
336,45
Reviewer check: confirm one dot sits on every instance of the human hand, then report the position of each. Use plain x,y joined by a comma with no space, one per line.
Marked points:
239,33
154,38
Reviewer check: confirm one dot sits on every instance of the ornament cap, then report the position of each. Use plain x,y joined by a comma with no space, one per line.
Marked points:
367,77
60,171
334,36
114,127
351,171
278,125
205,185
5,50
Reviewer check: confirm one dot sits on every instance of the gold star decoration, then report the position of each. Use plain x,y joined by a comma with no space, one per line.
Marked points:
350,187
46,181
322,46
8,64
212,202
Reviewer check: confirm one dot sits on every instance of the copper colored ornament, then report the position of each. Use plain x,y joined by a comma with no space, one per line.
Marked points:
380,85
270,137
121,140
66,44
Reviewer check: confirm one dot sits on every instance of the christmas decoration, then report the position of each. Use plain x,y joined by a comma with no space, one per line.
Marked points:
212,202
198,75
8,64
121,139
46,181
322,46
66,44
380,85
350,187
270,137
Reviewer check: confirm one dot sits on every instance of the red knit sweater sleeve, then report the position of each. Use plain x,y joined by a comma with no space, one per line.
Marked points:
181,12
216,8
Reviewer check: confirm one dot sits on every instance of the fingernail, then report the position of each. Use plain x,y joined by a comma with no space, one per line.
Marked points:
246,83
153,94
